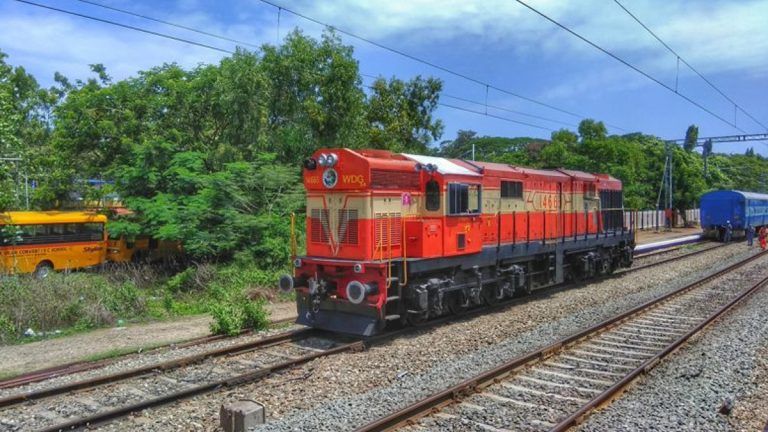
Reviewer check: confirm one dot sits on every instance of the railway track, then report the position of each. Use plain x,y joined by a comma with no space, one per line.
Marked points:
172,380
556,387
84,366
105,398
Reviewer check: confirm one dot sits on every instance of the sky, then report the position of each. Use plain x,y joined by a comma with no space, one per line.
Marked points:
495,42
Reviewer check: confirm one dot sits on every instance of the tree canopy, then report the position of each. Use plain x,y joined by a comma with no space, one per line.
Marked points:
636,159
210,155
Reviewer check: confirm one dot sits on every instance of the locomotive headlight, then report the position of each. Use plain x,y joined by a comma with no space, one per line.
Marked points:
358,268
357,291
332,159
322,160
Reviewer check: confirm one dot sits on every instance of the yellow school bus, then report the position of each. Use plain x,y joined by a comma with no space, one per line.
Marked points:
143,249
40,242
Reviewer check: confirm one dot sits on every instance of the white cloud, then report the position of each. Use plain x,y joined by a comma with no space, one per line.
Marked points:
45,42
713,36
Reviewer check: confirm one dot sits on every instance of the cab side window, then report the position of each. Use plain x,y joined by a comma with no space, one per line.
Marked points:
433,195
463,198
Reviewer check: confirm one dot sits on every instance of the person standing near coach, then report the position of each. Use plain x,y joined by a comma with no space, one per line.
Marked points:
750,235
728,231
761,236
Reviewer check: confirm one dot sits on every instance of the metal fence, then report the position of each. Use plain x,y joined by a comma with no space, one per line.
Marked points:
655,219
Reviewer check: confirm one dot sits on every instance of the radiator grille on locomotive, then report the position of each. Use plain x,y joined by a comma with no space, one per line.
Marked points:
319,225
388,229
347,233
346,228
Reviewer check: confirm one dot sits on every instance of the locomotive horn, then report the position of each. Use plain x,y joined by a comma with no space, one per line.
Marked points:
286,283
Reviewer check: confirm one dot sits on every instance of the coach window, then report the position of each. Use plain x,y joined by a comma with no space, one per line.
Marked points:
463,198
511,189
433,195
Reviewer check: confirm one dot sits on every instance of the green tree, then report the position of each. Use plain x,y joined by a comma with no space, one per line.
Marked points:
401,114
691,136
592,130
24,131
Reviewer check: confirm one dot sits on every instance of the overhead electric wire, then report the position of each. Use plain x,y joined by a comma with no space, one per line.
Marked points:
172,24
689,65
354,36
495,116
508,110
158,34
430,64
130,27
496,107
626,63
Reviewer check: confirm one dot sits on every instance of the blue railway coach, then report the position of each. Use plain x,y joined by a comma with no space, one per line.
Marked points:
740,208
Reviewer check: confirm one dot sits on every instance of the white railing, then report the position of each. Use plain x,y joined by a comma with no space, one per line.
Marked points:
654,219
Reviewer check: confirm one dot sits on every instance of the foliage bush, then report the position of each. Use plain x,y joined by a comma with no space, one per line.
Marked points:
239,312
64,301
234,294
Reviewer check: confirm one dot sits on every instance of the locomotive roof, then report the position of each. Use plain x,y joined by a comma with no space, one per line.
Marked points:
579,175
444,166
746,195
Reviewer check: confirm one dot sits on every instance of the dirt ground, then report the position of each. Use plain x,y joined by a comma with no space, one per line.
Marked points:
17,359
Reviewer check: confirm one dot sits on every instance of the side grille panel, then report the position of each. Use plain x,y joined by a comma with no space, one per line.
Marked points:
388,228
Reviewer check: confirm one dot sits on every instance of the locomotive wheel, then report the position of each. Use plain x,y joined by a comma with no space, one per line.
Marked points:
454,304
416,319
489,296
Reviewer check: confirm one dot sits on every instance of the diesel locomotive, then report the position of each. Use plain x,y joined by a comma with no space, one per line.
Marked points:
398,239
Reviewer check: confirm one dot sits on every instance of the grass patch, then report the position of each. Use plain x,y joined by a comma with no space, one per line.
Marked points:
234,294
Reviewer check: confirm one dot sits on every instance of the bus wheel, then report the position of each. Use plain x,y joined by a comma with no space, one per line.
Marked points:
43,270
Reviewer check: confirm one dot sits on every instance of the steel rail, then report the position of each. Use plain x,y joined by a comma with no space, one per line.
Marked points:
84,366
106,416
649,364
425,406
163,366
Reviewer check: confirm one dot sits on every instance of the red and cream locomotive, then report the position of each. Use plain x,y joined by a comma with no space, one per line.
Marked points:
401,238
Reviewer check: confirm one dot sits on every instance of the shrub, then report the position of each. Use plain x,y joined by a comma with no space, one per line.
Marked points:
191,278
238,313
61,301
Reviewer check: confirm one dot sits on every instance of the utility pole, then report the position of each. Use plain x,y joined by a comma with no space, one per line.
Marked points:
671,207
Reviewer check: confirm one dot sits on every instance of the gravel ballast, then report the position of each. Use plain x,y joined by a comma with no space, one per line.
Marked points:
348,390
726,364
